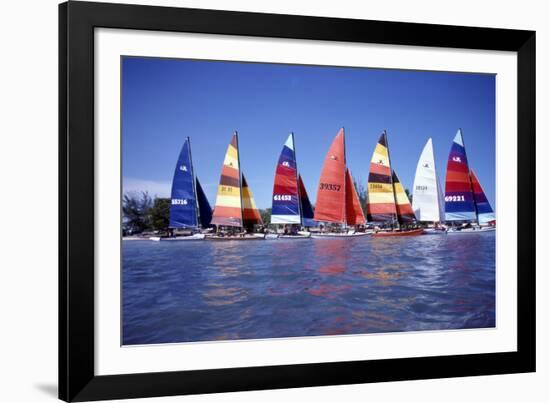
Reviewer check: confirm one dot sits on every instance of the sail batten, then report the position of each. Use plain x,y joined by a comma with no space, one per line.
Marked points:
228,209
427,195
459,198
183,201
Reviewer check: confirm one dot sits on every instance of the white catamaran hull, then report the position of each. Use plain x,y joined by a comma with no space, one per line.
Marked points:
471,230
434,231
194,237
339,235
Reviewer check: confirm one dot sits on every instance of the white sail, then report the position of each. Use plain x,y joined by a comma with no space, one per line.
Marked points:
427,196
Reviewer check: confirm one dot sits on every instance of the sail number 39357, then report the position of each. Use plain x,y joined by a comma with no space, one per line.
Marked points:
459,198
329,186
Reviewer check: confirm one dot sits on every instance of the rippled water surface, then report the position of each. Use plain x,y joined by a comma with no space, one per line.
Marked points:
203,290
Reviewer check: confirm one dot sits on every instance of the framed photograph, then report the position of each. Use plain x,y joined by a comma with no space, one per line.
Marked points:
258,201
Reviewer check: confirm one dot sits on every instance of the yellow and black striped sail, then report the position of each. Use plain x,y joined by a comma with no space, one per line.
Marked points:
405,213
228,209
381,199
251,214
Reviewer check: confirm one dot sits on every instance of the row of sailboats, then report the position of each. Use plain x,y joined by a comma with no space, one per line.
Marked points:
465,206
338,211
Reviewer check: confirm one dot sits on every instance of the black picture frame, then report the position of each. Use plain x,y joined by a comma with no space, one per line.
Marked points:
77,379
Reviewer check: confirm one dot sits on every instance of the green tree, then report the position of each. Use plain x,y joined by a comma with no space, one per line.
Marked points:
135,210
160,214
409,195
362,194
266,216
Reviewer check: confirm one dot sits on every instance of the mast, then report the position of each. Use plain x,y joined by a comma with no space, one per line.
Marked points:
194,182
391,175
345,167
297,184
469,176
240,178
437,189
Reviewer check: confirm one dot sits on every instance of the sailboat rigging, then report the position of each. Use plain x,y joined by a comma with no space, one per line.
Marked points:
235,210
290,203
465,201
387,201
337,200
427,200
188,209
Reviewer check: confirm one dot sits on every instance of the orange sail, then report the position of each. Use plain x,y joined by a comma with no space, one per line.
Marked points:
228,209
354,212
330,205
251,215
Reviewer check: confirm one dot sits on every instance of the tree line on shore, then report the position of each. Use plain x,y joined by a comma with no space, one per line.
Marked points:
142,213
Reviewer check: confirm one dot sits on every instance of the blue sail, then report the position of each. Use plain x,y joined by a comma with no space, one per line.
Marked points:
459,198
205,211
286,203
307,210
183,203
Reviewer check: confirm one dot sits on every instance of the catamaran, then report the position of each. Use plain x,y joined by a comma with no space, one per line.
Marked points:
387,200
235,213
189,207
337,199
427,200
465,200
290,204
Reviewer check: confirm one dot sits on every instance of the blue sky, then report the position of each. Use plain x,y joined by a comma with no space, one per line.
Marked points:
165,100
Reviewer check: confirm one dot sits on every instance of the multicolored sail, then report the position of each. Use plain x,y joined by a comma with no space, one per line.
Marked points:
427,201
405,213
183,203
459,198
251,215
485,212
228,210
331,199
381,199
354,212
305,205
205,211
286,201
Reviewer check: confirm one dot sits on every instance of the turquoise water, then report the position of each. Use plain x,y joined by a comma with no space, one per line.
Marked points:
203,290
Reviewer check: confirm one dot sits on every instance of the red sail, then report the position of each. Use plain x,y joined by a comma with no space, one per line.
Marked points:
331,194
354,212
